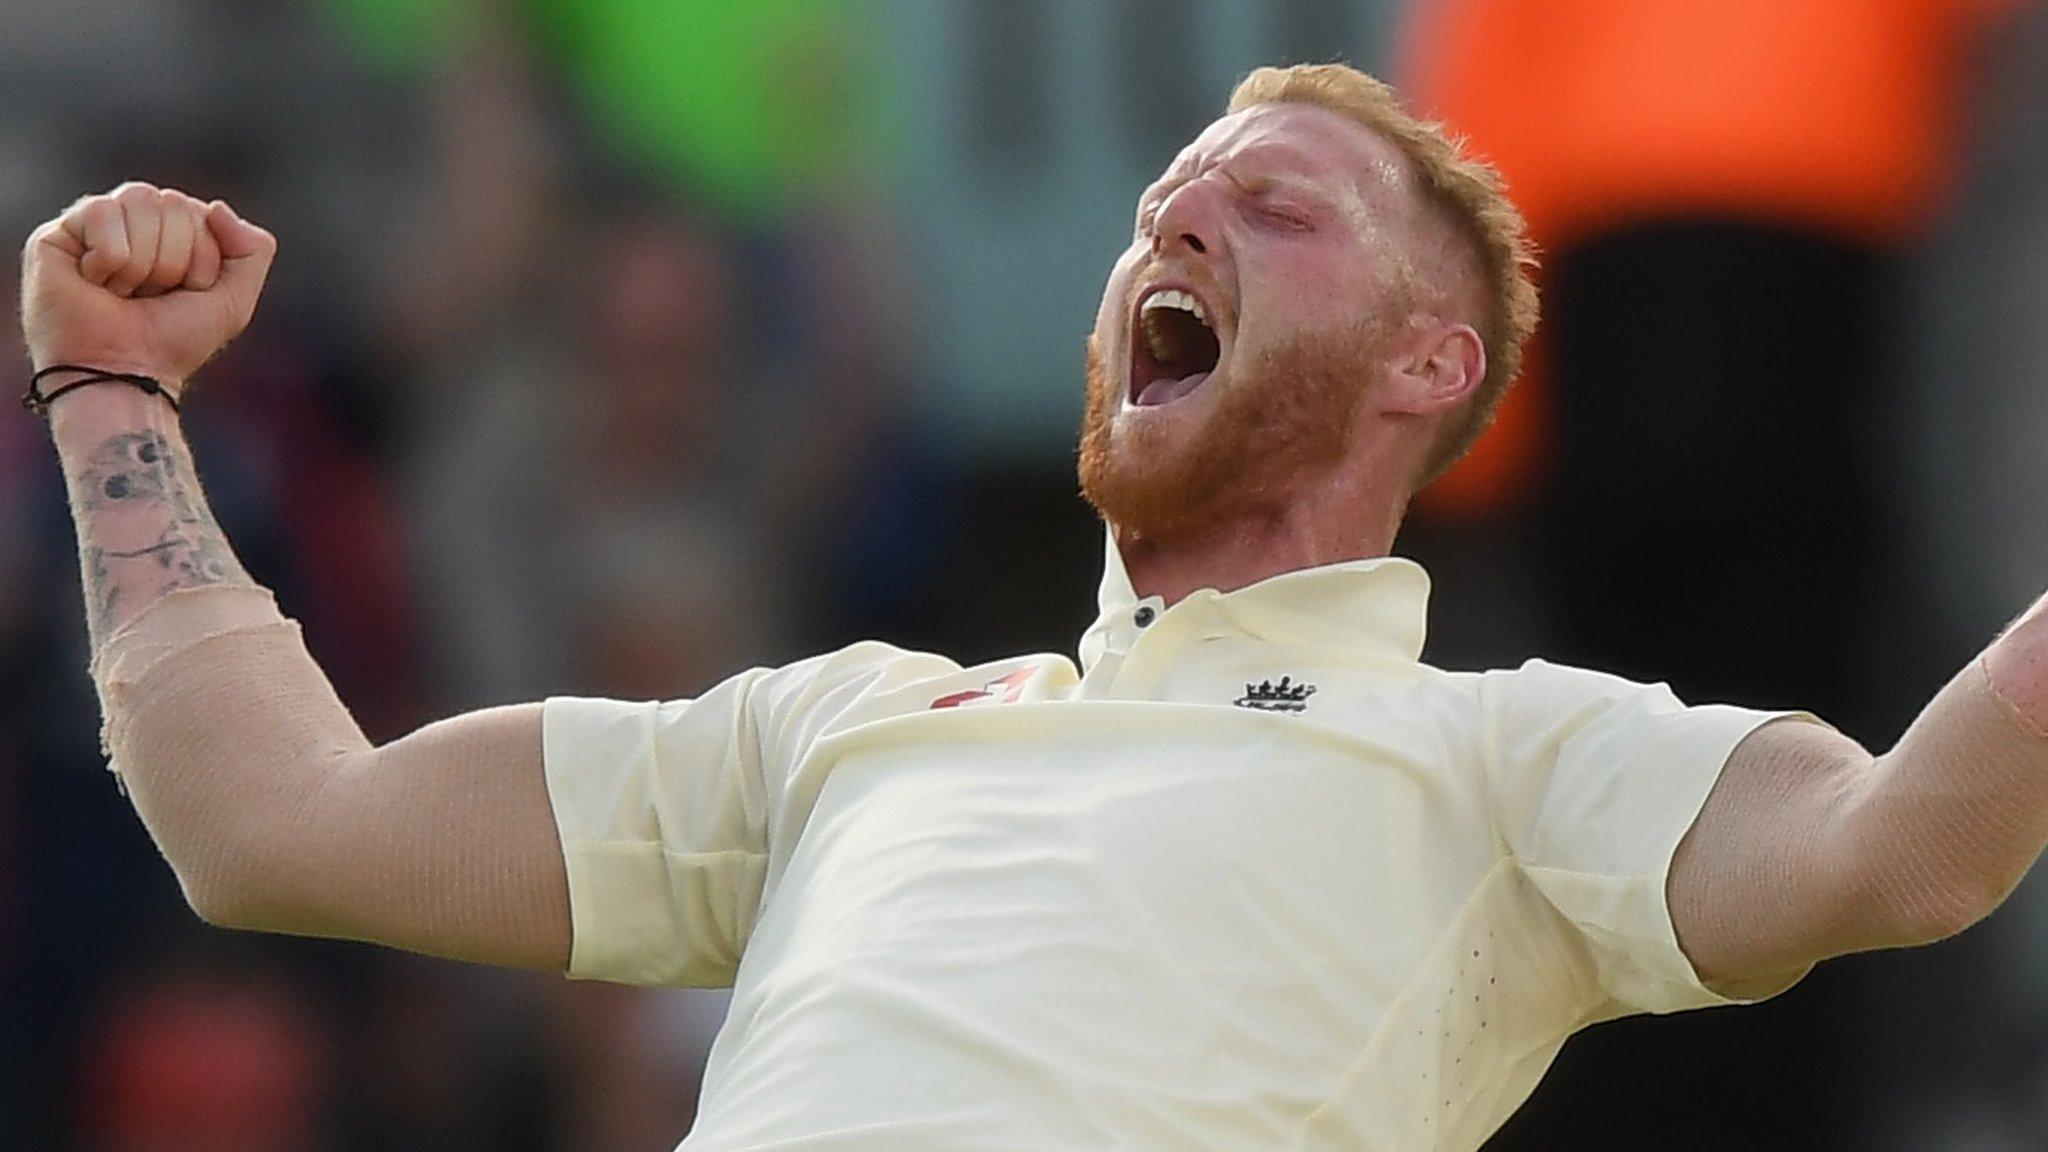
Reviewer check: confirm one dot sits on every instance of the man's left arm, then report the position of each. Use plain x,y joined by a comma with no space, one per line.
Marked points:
1810,847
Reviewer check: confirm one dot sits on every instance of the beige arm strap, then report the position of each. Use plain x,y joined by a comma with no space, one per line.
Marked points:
1809,848
277,814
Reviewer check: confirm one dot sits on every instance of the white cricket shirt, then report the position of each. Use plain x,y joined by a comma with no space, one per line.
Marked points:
1250,877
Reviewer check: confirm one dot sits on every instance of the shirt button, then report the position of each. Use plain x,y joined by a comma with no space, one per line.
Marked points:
1144,616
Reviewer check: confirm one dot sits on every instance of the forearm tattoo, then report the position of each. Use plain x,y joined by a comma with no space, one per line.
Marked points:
143,528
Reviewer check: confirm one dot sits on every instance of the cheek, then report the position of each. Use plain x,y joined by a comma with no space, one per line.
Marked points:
1109,317
1298,295
1310,292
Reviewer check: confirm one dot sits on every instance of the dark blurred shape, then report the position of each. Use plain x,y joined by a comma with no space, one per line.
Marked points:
606,490
1980,421
1009,82
1726,194
1314,30
627,1062
1165,100
205,1061
1716,516
1976,440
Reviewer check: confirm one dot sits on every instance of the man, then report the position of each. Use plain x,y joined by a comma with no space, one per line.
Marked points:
1250,875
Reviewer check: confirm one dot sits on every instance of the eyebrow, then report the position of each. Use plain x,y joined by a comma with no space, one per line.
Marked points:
1259,183
1262,183
1183,169
1285,154
1261,179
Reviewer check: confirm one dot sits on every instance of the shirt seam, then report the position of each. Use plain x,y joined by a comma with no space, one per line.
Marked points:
1394,1005
668,852
1489,735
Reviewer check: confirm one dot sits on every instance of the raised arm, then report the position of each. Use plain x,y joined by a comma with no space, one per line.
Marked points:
1809,847
273,809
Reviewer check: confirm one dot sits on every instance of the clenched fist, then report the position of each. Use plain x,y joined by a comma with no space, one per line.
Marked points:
141,279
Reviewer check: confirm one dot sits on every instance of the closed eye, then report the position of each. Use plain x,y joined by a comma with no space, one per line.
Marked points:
1287,218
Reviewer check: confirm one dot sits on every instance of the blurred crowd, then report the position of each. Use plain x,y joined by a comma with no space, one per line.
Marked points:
597,362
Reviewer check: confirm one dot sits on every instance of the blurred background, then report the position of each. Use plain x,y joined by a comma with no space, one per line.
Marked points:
617,345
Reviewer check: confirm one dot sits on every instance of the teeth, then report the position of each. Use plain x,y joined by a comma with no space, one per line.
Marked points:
1174,298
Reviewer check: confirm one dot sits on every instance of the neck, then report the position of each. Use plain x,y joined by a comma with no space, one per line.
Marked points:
1346,517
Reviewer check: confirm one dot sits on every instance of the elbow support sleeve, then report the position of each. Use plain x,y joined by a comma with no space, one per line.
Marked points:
277,813
222,730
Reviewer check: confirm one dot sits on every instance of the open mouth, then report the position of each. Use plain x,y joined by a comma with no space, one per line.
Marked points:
1173,347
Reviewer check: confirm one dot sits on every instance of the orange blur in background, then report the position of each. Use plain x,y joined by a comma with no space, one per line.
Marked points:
1841,115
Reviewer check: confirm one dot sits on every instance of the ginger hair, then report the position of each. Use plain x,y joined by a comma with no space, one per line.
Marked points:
1465,193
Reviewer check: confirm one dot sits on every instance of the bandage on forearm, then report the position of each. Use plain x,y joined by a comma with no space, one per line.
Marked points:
278,814
180,619
2018,664
1809,848
1958,811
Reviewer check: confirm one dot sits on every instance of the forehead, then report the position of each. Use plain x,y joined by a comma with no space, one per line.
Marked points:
1303,140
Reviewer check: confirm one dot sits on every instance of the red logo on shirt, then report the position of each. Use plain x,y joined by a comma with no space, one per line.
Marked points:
1003,691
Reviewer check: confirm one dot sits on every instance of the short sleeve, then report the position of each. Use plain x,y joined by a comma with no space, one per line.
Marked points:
1595,779
664,809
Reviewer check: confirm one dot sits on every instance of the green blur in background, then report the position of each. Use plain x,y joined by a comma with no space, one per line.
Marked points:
746,105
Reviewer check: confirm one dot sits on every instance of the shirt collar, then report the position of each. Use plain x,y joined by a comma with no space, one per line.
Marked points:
1380,605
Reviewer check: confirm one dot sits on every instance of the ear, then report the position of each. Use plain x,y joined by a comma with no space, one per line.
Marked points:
1437,367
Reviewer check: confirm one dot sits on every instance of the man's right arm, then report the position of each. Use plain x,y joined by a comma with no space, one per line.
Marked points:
278,816
258,787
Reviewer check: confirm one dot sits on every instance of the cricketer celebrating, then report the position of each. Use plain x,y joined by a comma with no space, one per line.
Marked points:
1247,875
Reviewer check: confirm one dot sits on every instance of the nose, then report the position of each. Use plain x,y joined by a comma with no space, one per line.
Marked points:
1186,220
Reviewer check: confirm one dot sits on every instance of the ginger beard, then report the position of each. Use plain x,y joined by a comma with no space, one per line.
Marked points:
1283,418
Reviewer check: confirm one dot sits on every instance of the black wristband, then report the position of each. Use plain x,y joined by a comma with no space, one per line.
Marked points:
39,401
